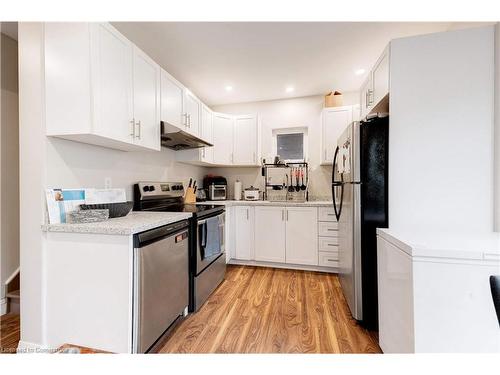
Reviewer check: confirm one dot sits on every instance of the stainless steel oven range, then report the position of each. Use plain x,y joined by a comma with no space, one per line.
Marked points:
207,258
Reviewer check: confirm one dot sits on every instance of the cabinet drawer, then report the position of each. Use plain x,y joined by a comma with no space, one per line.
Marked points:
326,214
328,259
329,244
327,229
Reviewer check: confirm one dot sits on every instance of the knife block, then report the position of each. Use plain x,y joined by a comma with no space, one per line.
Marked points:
190,196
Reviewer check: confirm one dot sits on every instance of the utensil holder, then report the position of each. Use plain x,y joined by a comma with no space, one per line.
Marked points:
190,196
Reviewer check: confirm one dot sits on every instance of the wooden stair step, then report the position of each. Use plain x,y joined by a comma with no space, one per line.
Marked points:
15,294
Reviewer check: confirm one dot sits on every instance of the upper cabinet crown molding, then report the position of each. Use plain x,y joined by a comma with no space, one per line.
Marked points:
100,88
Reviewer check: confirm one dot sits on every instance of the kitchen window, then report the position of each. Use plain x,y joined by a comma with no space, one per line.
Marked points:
290,144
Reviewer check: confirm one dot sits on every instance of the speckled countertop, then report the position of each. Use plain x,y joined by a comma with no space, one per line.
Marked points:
229,203
134,222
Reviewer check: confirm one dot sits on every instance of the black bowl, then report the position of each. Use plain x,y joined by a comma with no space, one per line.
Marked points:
115,209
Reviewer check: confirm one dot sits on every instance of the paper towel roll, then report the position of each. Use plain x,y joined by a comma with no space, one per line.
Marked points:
237,190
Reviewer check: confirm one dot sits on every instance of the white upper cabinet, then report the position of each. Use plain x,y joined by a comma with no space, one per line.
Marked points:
207,133
365,95
245,140
99,88
112,83
172,101
223,139
380,77
146,101
376,86
333,122
302,235
192,109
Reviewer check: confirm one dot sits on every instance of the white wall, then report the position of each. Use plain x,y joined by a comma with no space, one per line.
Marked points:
284,113
50,162
441,131
9,161
497,127
72,164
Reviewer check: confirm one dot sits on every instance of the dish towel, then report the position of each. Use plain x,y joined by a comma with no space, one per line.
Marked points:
212,246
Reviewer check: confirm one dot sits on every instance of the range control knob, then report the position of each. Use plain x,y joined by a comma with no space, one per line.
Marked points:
145,188
151,188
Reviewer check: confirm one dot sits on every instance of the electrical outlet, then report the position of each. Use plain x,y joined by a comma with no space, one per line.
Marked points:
108,183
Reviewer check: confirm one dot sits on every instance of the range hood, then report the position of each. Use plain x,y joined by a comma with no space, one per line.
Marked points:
177,139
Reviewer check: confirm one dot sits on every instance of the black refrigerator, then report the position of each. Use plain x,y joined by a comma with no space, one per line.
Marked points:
360,200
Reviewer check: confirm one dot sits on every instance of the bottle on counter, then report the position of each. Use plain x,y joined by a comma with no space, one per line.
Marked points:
237,190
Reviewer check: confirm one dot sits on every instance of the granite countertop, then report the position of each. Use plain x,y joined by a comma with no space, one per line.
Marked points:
478,246
134,222
230,203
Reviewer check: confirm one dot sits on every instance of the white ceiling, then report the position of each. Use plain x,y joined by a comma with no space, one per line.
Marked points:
259,60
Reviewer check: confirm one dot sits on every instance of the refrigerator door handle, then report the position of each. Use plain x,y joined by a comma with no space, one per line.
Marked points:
334,185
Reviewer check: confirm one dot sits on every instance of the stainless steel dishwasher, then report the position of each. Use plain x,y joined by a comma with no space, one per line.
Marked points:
161,283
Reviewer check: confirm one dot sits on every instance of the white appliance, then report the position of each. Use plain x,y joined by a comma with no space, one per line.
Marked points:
434,292
251,194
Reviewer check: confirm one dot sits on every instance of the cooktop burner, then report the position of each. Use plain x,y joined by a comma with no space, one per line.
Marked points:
168,197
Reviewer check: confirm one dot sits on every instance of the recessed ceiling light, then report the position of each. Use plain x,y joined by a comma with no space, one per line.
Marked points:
358,72
229,88
290,89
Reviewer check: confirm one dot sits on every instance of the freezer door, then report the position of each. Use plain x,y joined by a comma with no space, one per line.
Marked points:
350,249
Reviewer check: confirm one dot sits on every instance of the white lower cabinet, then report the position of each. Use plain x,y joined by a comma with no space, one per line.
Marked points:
287,235
301,235
244,221
270,234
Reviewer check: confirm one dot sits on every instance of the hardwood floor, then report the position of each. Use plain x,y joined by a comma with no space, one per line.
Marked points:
269,310
10,332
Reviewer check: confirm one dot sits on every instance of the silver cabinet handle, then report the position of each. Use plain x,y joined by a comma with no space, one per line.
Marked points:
132,128
189,120
204,152
139,133
370,96
286,215
185,119
247,214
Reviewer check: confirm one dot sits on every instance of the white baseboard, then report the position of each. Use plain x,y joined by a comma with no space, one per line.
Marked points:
3,306
282,265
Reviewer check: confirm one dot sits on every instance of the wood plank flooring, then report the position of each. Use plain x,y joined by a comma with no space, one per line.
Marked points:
269,310
10,332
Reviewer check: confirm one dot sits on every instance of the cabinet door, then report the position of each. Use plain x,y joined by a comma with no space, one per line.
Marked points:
365,93
223,139
207,134
333,123
112,56
302,235
270,234
245,140
380,77
146,101
192,110
244,233
172,101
